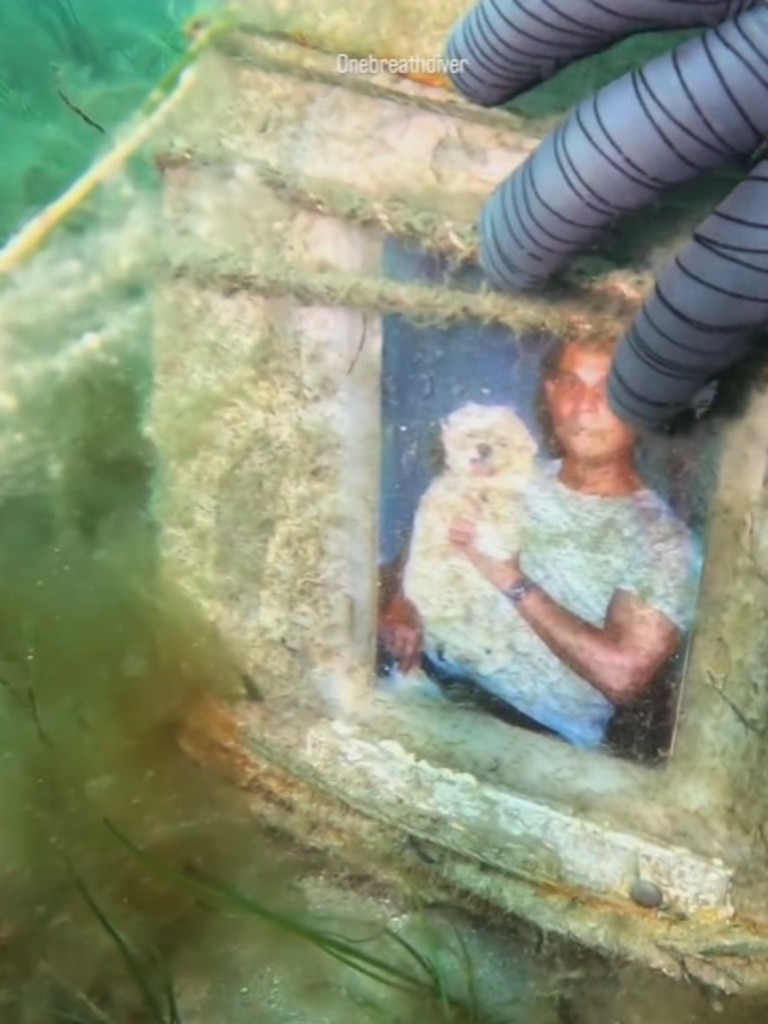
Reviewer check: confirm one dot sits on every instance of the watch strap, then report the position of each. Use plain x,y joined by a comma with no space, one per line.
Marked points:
516,593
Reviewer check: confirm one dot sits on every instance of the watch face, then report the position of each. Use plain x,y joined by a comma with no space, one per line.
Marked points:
522,590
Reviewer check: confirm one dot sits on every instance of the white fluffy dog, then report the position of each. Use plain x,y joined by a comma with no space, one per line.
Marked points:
489,455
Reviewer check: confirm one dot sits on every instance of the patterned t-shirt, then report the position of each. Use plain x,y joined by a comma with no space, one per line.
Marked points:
581,549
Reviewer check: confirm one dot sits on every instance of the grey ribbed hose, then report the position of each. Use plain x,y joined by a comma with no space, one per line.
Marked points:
684,112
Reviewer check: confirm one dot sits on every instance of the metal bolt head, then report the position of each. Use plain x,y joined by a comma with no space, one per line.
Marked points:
646,894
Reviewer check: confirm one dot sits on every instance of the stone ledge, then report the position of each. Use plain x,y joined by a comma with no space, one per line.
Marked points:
509,832
729,956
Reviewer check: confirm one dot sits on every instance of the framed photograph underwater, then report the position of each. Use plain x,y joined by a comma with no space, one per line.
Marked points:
538,560
456,584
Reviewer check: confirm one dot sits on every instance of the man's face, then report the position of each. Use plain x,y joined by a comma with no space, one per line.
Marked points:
578,403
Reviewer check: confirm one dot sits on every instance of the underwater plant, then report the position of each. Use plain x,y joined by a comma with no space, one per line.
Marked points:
445,994
150,977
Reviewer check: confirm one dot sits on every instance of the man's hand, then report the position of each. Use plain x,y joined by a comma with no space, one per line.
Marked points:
502,574
658,126
401,631
463,534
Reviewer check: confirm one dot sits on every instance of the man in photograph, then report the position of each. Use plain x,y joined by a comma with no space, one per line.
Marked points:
602,590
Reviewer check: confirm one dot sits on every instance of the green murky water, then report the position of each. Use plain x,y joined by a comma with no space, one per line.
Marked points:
71,71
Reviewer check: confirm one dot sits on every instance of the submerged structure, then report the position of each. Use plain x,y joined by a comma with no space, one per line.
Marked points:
318,315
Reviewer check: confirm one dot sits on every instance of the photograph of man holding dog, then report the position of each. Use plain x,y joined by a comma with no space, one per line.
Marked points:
601,593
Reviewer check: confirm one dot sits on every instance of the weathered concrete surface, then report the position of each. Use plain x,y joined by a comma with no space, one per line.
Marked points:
378,142
231,741
395,29
266,413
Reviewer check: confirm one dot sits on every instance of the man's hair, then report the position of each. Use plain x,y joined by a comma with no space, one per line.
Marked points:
596,336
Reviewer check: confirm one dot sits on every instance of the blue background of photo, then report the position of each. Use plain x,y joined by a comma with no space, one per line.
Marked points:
427,373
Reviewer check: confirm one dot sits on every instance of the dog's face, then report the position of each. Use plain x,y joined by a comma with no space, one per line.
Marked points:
485,441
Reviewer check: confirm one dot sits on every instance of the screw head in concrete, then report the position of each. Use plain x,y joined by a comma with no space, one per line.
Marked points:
646,894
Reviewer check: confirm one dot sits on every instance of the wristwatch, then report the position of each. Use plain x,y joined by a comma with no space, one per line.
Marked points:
519,590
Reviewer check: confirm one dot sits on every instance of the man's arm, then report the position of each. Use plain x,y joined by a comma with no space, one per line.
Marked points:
619,659
399,624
